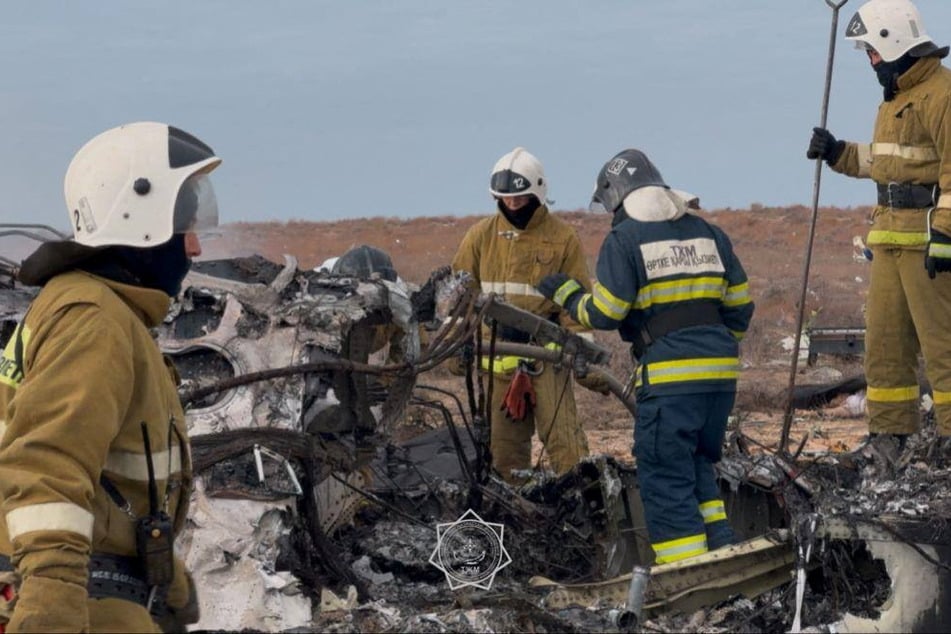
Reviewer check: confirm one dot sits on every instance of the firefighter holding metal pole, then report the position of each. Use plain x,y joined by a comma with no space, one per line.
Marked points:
909,159
672,286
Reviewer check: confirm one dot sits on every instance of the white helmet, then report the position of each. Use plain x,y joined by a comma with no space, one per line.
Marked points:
892,28
138,184
519,173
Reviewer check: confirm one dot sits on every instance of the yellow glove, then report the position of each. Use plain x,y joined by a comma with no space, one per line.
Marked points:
595,382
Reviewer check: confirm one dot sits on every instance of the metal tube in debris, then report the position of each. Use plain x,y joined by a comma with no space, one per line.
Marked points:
630,617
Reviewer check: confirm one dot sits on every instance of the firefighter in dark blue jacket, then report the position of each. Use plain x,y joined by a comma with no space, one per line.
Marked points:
672,286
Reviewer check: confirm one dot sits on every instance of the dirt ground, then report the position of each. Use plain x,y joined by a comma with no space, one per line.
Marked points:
771,243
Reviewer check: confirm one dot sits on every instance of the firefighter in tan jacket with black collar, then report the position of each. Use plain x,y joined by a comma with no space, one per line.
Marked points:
508,254
909,159
95,471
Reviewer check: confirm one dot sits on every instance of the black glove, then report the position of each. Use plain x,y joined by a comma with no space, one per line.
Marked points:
424,300
825,146
559,287
938,255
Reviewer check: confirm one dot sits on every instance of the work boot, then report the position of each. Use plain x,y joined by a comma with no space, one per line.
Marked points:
884,452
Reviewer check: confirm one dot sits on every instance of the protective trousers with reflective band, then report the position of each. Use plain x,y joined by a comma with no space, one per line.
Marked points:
677,440
906,312
554,417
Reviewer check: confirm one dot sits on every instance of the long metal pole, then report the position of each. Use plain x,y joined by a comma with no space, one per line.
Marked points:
794,366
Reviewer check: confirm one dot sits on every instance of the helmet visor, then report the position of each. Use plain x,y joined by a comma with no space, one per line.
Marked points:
196,206
596,205
509,183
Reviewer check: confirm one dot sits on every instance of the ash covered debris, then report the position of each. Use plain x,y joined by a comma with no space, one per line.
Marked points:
310,514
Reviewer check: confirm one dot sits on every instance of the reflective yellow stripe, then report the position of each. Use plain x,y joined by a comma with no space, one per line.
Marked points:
510,288
900,238
693,370
677,549
133,465
737,295
909,152
52,516
893,394
713,511
680,290
500,365
941,398
939,250
583,317
738,334
608,304
565,291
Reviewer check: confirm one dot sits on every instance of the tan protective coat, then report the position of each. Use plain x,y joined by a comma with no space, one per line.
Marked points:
510,262
912,144
92,374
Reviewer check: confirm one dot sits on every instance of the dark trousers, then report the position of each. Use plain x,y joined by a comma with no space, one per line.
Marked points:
677,440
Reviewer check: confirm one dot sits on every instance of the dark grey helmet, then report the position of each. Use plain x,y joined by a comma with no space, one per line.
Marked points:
363,261
627,171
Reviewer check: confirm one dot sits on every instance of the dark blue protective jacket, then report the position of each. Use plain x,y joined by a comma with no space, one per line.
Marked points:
648,267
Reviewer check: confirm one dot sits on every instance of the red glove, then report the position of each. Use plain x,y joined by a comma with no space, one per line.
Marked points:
519,398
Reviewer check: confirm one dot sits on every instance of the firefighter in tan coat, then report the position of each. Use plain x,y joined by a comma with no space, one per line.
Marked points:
508,254
90,417
909,297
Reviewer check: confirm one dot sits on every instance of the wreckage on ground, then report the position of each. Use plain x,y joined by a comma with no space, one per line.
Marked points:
315,509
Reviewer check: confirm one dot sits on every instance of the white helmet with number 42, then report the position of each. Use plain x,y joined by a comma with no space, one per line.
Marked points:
892,28
138,184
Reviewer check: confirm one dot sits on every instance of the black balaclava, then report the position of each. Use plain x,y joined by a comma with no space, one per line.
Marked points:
162,268
521,217
889,72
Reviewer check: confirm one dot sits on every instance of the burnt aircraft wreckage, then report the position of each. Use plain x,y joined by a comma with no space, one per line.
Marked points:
315,510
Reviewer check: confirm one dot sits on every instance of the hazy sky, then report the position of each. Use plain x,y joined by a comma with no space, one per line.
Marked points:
324,110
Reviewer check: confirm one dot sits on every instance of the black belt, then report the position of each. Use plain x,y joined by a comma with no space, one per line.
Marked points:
115,577
907,195
675,318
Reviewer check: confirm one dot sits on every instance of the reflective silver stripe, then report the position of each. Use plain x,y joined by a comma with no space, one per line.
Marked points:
701,369
510,288
583,317
865,160
587,336
608,304
737,295
713,511
565,291
939,250
677,549
680,290
134,467
909,152
51,516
